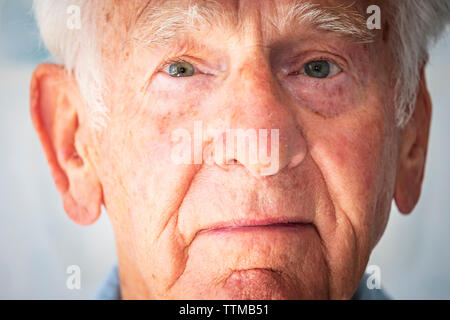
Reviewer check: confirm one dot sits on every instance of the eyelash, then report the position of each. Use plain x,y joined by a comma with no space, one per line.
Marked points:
299,71
167,63
320,58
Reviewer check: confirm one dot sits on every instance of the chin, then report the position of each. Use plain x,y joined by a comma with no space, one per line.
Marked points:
254,284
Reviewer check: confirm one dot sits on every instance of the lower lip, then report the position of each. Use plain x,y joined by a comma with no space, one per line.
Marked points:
283,227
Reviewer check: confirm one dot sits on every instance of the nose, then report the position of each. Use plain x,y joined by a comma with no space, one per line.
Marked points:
263,134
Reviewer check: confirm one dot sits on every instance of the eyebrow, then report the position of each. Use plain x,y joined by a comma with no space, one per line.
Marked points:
161,22
342,20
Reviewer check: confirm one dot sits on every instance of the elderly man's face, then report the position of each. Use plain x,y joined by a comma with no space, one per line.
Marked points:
227,230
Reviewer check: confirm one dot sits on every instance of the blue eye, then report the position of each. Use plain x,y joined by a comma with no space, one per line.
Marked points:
320,69
181,69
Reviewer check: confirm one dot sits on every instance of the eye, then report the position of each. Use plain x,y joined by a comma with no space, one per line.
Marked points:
180,69
320,69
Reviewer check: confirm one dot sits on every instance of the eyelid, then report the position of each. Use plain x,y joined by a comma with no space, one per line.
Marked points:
298,62
197,69
166,64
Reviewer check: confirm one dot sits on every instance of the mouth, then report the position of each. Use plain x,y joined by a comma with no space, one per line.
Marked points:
255,225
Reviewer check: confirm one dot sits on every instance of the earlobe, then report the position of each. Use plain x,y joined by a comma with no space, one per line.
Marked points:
413,144
409,180
54,104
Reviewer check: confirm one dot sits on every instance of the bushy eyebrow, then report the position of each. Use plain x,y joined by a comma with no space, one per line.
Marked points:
343,20
162,21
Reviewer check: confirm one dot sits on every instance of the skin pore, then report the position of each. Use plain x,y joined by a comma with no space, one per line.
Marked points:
204,231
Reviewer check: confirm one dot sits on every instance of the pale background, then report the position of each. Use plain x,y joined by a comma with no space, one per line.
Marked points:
38,242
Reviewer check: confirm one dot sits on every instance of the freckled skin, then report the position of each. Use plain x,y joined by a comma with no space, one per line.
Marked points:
342,185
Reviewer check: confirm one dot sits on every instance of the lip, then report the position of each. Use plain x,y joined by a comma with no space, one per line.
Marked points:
254,225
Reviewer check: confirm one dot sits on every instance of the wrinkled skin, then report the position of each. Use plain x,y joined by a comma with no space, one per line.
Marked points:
342,159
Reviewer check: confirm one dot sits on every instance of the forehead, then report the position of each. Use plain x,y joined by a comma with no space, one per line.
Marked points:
161,20
245,7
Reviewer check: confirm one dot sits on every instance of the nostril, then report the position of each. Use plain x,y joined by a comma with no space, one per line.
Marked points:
232,161
297,159
227,164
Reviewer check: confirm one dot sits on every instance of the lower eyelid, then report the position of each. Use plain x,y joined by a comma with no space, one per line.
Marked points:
306,81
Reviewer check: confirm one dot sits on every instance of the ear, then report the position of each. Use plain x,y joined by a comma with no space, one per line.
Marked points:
412,151
55,104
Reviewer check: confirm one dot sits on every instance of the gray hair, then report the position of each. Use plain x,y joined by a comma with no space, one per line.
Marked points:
416,25
76,49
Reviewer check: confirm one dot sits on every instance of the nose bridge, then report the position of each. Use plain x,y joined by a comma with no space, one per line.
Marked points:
256,97
259,114
254,73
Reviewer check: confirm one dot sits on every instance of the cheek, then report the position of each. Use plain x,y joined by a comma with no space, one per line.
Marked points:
351,154
151,176
351,159
177,96
152,189
352,149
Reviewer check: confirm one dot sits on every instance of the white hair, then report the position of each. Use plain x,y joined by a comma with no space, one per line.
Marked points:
415,26
76,48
